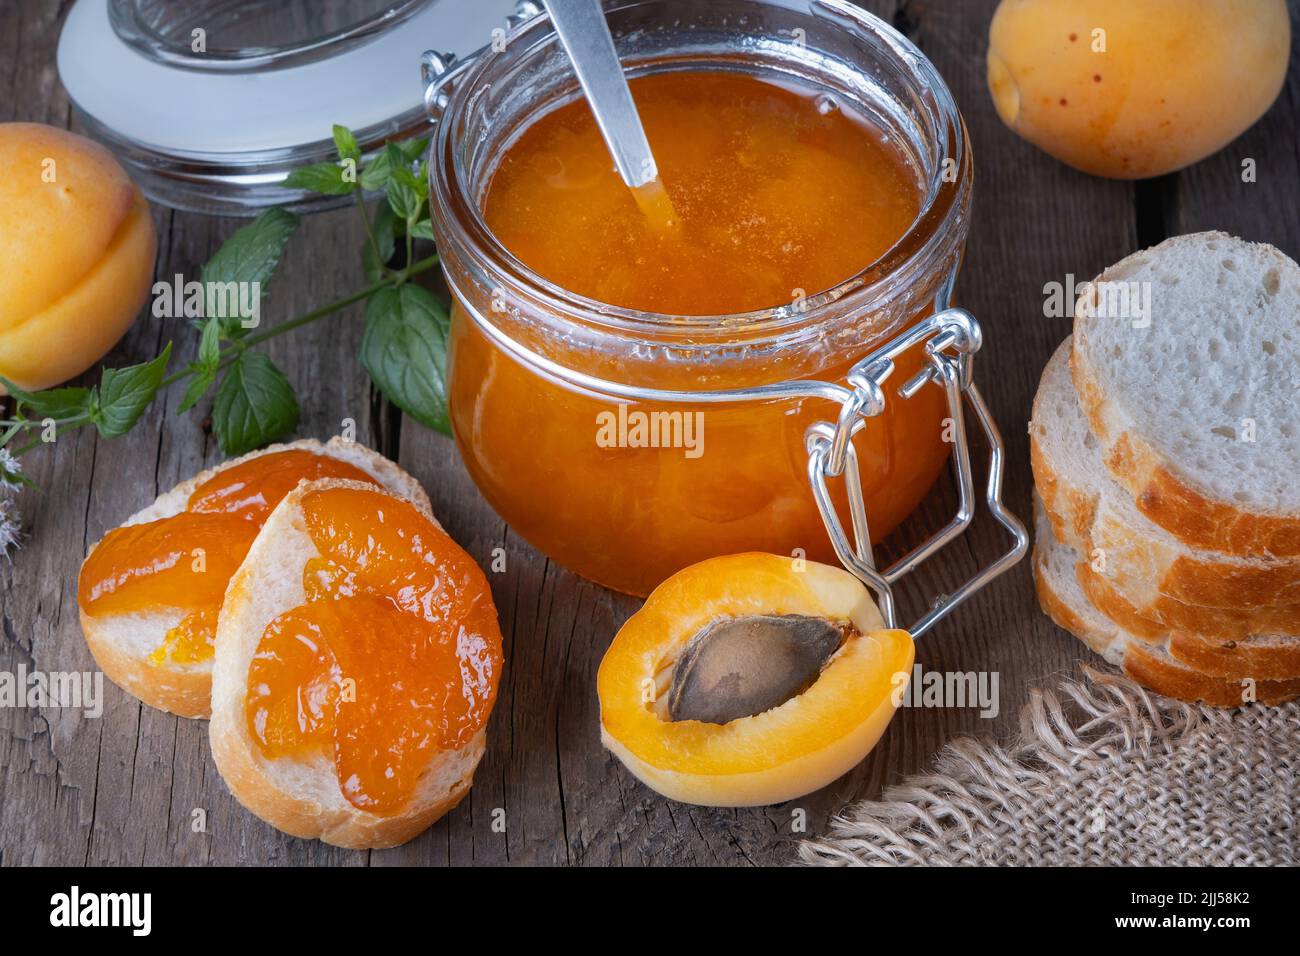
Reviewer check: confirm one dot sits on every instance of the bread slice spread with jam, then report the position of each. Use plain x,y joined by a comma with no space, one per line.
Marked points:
127,646
313,749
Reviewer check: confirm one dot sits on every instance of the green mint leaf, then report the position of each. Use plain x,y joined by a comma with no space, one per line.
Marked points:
384,227
393,156
404,199
200,381
326,178
124,394
255,405
422,229
403,189
203,371
414,149
370,262
375,176
405,352
210,344
248,256
411,181
57,403
346,143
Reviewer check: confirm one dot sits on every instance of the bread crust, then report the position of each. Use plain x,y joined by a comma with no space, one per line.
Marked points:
1099,640
322,813
1255,596
185,690
1248,598
1158,490
1256,643
1168,677
1254,656
1147,663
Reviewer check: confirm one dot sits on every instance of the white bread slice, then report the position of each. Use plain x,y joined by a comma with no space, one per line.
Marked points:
1150,664
121,643
1061,598
1159,575
1264,656
1098,623
1171,401
303,798
1070,479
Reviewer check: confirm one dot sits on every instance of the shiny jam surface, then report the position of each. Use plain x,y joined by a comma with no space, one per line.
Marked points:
778,192
187,560
775,191
394,656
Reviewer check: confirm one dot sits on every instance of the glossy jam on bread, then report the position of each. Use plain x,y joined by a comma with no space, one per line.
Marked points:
394,656
185,561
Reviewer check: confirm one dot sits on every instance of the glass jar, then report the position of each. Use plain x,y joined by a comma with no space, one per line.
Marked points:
538,375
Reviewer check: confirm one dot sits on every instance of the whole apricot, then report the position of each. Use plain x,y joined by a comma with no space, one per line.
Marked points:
77,242
1136,88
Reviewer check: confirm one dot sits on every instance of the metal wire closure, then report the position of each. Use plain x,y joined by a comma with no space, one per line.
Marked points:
951,337
437,69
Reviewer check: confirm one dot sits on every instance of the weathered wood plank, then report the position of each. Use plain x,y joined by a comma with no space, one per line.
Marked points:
48,760
123,788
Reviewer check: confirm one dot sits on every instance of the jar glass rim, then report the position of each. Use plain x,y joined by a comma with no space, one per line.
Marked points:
948,180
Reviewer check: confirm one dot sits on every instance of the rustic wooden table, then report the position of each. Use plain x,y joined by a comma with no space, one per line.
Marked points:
121,789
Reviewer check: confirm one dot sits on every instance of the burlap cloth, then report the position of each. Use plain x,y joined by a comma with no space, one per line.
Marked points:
1102,772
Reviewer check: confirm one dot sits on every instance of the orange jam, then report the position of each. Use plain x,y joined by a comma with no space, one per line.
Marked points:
186,561
394,657
774,198
780,193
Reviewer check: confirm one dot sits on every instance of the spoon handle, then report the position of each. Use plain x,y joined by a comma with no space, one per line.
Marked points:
585,34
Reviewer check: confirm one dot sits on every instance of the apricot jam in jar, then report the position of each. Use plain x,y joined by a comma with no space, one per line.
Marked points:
818,179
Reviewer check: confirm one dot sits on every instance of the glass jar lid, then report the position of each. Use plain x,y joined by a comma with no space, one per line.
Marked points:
211,103
250,34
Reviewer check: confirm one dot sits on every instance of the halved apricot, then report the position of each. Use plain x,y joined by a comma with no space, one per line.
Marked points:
717,638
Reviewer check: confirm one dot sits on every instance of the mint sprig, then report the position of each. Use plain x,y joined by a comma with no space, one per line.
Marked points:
113,407
403,350
255,405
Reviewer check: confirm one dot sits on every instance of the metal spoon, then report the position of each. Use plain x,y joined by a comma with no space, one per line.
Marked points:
582,29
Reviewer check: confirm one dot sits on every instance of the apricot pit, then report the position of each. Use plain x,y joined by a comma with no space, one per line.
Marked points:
741,666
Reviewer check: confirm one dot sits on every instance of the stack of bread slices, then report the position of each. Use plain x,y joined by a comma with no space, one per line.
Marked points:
1165,443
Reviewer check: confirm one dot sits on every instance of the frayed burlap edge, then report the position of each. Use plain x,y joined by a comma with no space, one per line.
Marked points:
1115,775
